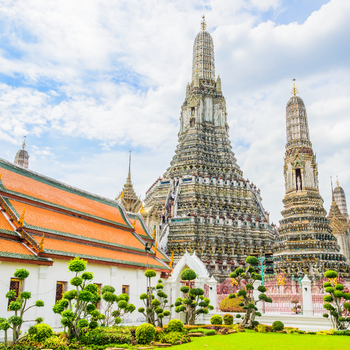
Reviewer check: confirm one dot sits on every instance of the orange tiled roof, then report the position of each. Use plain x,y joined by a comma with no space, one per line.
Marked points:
4,224
50,220
76,236
139,228
56,246
42,188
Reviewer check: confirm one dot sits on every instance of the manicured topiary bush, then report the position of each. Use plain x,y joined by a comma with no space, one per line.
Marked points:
277,326
228,319
337,302
77,307
145,333
216,319
193,303
19,305
249,276
175,338
175,326
154,304
231,304
40,332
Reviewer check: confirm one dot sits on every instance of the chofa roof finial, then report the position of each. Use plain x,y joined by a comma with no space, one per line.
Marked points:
294,90
203,23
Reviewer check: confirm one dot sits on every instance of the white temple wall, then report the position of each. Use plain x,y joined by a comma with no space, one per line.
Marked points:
43,279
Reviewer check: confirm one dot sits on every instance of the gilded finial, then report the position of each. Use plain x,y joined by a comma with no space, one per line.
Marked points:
294,90
41,244
122,195
0,175
21,219
154,234
155,247
142,211
337,181
203,23
134,224
171,260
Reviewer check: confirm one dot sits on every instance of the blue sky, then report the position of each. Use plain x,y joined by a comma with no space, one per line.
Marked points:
87,83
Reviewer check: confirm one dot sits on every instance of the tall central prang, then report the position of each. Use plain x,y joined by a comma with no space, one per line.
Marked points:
203,203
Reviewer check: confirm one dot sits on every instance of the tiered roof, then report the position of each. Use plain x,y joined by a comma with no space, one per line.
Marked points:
42,219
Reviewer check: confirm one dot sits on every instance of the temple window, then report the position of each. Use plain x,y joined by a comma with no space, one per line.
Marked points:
125,289
15,284
298,181
60,289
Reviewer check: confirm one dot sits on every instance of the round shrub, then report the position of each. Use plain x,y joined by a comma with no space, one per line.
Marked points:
216,319
83,323
93,324
328,298
277,326
326,284
175,326
21,274
92,288
175,338
107,288
40,332
26,295
252,260
77,265
145,333
188,275
338,294
256,323
39,303
118,320
330,274
325,315
242,292
238,316
262,289
76,281
87,276
15,305
228,319
150,273
339,287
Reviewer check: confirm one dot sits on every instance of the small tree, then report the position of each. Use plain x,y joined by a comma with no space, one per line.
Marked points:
78,306
249,303
117,307
154,304
193,303
336,302
19,306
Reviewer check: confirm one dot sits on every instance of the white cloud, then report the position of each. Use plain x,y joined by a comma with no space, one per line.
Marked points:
116,73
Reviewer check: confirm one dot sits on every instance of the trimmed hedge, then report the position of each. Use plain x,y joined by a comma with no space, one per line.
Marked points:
231,305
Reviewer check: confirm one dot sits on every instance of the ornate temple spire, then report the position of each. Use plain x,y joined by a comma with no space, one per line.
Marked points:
128,196
296,121
203,55
22,156
305,234
340,199
128,179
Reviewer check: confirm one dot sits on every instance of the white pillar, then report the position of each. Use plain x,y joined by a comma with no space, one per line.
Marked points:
256,293
42,294
307,297
212,292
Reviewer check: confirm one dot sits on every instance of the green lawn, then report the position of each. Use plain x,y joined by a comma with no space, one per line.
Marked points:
251,340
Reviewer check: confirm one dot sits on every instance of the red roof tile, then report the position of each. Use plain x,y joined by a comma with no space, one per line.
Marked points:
40,187
48,219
